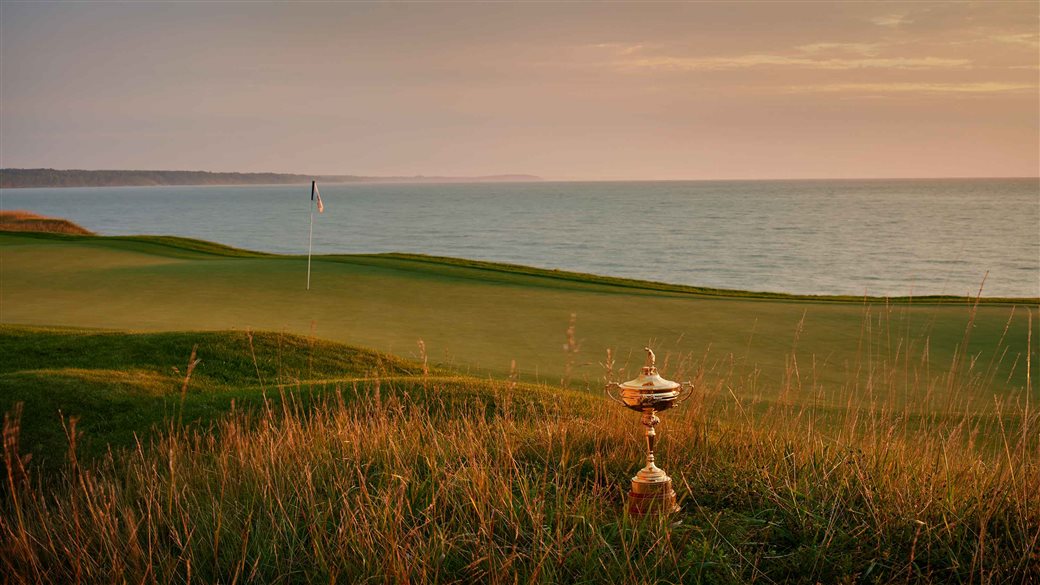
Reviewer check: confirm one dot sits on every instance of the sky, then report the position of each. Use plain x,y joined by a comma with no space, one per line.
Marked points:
596,91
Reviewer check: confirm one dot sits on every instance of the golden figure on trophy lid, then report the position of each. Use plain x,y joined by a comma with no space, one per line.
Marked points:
649,393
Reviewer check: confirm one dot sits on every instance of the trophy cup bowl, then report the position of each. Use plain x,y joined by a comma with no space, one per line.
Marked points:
649,394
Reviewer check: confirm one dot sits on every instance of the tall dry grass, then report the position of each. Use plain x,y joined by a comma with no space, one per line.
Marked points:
909,472
377,485
25,221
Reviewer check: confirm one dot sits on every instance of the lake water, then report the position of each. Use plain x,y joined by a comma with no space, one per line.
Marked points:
877,237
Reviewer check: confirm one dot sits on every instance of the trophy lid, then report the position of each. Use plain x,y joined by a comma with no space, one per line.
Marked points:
648,380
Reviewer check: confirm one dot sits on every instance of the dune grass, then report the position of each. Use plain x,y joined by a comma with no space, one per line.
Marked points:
426,479
25,221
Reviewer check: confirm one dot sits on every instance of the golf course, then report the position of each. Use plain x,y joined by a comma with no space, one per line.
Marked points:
519,292
490,319
182,409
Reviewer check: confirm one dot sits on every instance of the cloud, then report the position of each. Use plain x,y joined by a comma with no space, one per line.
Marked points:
866,49
834,56
911,87
890,20
668,63
624,48
1031,40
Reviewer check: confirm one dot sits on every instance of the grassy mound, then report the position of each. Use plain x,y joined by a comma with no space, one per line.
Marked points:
121,386
24,221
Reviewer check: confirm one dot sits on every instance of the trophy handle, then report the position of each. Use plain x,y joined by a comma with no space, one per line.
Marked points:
607,390
687,390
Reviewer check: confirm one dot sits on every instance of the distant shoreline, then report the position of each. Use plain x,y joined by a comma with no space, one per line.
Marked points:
13,178
57,178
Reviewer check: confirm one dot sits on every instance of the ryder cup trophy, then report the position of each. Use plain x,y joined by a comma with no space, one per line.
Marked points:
649,393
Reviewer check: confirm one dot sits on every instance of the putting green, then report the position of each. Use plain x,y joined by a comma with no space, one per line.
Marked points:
482,318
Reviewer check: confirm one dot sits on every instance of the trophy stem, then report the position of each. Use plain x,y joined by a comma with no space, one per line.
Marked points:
652,492
650,420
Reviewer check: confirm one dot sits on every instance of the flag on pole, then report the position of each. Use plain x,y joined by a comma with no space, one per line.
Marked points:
316,197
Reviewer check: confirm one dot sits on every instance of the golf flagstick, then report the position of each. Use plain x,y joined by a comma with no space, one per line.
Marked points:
315,200
310,239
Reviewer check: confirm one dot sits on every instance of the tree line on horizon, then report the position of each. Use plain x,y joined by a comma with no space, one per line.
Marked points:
24,178
14,178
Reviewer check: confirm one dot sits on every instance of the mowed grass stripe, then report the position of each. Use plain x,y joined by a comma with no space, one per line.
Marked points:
484,318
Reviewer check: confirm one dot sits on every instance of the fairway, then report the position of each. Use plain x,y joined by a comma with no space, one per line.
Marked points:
483,319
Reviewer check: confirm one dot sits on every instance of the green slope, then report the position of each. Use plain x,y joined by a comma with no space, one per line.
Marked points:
483,317
120,386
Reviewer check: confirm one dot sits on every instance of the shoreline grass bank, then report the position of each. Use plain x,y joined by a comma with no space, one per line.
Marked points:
177,246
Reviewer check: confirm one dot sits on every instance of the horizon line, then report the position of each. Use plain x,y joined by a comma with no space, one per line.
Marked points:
535,177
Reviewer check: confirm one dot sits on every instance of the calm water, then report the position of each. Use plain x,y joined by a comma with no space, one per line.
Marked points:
828,237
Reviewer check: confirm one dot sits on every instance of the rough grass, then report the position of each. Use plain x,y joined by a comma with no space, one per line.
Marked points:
285,459
379,484
119,383
25,221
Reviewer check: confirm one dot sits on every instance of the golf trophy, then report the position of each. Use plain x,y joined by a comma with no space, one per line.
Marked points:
649,393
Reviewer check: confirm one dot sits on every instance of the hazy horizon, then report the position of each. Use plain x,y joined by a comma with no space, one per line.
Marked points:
566,92
554,179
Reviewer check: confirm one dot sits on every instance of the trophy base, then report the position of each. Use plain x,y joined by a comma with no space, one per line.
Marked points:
652,493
